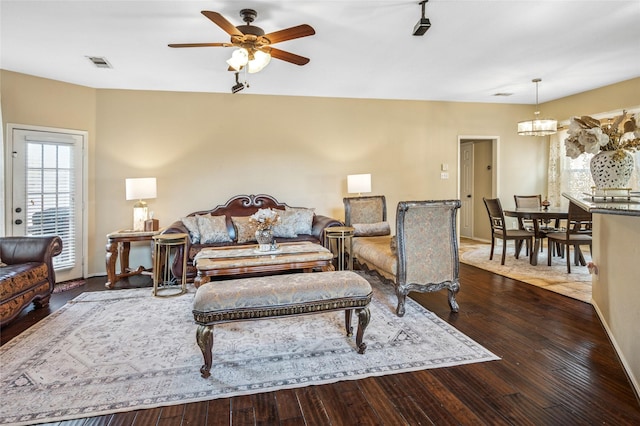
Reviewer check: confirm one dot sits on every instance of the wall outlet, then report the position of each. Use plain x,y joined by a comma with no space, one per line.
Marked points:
444,175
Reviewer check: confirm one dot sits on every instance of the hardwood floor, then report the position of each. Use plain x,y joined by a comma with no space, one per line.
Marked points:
558,368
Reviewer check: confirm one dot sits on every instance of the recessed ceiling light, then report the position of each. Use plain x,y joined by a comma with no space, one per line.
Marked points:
99,62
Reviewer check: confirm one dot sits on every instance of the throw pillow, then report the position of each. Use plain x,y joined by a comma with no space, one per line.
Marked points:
303,219
245,230
191,223
286,226
371,229
213,229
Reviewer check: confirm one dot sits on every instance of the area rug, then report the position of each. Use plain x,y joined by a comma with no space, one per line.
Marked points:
68,285
121,350
576,285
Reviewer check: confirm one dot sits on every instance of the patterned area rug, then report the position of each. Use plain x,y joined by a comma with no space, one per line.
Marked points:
68,285
122,350
576,285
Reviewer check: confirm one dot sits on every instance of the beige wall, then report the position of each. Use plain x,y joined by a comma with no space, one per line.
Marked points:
205,148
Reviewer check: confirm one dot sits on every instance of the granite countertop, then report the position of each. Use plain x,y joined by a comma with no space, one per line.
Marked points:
620,205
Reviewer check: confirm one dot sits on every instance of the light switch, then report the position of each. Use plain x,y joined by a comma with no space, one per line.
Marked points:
444,175
444,167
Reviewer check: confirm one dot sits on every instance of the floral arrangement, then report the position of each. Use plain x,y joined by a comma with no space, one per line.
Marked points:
264,218
587,134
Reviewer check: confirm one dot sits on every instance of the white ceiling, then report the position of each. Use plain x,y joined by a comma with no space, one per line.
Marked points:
362,48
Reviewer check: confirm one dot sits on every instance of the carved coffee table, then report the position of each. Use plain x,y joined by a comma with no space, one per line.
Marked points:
221,261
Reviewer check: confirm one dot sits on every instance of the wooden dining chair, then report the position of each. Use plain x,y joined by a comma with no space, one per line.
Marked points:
501,231
527,201
535,202
577,233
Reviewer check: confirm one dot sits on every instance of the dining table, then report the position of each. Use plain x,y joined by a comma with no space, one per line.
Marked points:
541,217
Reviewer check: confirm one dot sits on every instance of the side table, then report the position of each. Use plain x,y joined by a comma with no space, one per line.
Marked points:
340,238
119,245
165,247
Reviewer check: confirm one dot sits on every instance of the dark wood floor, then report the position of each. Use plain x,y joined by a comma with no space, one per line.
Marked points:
558,368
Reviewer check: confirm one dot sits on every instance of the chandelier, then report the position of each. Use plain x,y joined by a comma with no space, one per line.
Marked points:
538,126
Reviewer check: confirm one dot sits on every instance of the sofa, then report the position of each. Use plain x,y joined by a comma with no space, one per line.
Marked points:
422,256
228,225
26,273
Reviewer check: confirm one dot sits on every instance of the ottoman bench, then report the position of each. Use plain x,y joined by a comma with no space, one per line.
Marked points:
278,296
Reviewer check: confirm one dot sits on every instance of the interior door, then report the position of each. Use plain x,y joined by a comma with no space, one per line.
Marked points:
47,192
466,190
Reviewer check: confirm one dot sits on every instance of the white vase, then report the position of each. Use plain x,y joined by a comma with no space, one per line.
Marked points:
609,172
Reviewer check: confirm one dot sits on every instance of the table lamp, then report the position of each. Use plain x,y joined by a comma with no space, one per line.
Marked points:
139,189
359,183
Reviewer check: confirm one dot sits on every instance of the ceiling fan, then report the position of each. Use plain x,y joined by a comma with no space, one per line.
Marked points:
254,46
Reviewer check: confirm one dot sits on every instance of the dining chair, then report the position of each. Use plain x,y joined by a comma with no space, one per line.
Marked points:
577,233
535,201
501,231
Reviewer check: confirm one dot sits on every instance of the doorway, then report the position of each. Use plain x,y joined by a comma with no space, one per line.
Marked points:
47,191
478,157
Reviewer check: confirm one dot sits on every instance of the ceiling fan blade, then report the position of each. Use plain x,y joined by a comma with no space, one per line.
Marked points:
200,45
303,30
222,22
286,56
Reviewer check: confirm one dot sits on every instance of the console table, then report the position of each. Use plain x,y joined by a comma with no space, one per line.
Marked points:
119,245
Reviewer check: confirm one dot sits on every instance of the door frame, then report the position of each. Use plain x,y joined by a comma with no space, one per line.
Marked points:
495,171
8,182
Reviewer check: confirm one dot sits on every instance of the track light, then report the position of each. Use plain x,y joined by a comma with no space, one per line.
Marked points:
423,24
238,86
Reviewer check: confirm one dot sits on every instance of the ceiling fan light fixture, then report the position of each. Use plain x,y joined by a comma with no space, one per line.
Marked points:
538,126
239,58
259,61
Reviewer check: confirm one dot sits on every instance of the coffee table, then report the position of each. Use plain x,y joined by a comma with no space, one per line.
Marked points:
221,261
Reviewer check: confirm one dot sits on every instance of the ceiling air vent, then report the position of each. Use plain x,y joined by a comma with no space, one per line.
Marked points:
502,94
99,62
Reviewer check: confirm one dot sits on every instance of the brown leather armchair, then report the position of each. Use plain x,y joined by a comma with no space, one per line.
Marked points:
27,273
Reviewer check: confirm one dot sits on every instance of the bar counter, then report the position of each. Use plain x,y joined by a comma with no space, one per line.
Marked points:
615,284
619,205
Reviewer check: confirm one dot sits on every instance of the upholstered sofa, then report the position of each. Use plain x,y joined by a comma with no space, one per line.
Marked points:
422,256
26,273
228,225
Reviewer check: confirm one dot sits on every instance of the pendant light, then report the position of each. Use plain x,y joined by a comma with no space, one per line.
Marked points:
538,126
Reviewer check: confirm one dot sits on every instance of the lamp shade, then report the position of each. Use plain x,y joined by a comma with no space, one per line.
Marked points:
140,188
538,127
259,61
239,58
359,183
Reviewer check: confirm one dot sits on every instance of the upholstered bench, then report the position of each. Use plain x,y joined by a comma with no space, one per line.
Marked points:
277,296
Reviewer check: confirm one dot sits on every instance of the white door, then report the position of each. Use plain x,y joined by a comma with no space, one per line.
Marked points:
466,190
48,192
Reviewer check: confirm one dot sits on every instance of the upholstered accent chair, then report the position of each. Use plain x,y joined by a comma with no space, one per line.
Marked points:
500,230
365,210
577,233
423,256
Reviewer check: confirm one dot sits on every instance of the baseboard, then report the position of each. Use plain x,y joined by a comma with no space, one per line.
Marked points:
625,365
